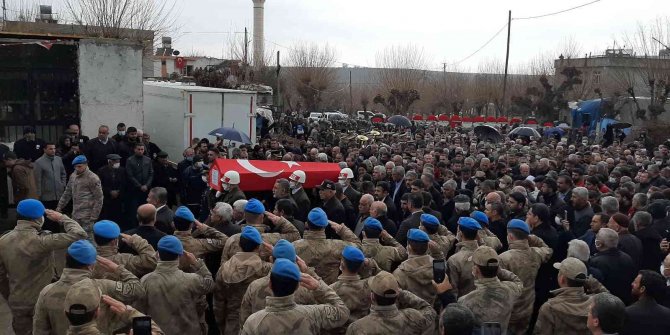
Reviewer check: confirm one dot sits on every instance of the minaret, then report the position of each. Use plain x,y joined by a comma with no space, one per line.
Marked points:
259,36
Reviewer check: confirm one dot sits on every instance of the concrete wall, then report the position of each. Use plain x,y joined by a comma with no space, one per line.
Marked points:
110,84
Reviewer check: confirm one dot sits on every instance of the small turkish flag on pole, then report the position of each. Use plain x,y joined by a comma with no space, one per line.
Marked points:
257,175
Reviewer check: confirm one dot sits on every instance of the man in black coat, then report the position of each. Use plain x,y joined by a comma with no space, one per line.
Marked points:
378,211
158,197
29,147
646,316
146,217
415,205
398,186
97,149
350,212
331,205
345,179
652,256
166,176
382,194
113,181
140,176
296,181
616,266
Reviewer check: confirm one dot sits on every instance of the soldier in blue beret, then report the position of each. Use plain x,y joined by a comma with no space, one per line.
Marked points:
106,236
485,235
460,268
199,241
416,273
431,224
380,246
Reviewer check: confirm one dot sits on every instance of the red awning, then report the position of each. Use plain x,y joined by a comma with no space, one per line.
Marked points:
502,119
417,117
467,119
515,120
443,117
491,119
548,124
258,175
431,118
377,120
479,119
455,118
531,121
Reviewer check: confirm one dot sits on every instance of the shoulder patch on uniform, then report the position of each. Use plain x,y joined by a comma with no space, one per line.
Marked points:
210,241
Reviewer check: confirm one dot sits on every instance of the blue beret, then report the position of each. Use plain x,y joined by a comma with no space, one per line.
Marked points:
171,243
318,217
417,235
353,254
518,224
30,208
429,220
480,217
184,213
82,251
284,249
251,233
287,269
373,223
106,229
81,159
469,223
254,207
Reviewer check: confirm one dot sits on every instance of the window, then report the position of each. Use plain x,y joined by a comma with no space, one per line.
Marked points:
596,77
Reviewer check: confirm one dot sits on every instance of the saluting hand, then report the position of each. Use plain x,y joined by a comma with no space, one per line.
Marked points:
274,218
308,282
106,264
53,215
198,224
116,306
126,238
189,258
301,264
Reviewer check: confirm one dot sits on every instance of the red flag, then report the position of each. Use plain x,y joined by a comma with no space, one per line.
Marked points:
45,44
258,175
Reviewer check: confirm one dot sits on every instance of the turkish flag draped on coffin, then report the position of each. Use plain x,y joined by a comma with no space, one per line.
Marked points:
258,175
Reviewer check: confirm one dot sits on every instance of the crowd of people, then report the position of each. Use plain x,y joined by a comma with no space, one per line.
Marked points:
425,231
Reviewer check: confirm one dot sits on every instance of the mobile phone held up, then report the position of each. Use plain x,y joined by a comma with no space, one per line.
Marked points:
439,270
142,325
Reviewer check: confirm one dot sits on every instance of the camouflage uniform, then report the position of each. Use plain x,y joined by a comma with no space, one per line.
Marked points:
386,253
202,241
139,265
323,254
254,298
355,292
415,317
460,268
85,191
49,313
524,259
27,265
93,328
283,316
565,313
286,230
493,299
232,281
444,242
416,276
172,295
488,238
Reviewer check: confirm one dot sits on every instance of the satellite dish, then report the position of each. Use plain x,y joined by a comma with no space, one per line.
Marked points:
176,52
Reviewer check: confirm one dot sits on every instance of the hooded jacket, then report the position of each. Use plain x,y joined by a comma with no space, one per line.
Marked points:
23,180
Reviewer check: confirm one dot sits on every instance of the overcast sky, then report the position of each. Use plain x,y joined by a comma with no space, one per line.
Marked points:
447,30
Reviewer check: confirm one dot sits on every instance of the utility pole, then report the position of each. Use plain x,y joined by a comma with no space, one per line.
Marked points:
4,11
444,83
509,29
279,100
246,55
351,97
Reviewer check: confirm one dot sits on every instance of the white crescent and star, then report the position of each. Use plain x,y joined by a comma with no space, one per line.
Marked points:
265,174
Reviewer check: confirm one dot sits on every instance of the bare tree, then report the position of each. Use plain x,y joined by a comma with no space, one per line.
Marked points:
124,19
400,74
647,41
311,74
22,10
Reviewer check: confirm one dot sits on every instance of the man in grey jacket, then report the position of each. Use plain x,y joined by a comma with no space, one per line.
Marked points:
50,177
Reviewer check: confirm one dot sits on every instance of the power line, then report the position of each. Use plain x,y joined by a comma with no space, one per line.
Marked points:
483,46
555,13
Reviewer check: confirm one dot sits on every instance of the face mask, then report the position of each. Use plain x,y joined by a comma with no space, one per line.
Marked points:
292,185
218,194
226,187
190,159
121,133
502,186
116,165
612,180
342,182
204,178
199,164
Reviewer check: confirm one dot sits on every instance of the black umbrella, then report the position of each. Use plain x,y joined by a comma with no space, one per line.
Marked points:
488,133
400,121
621,125
524,131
